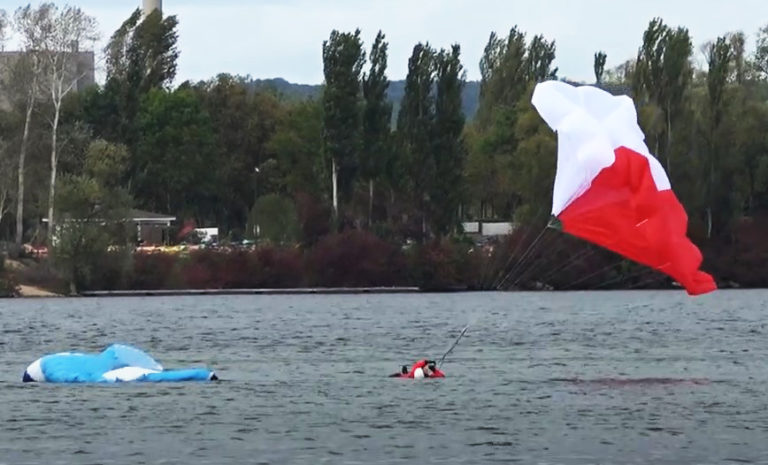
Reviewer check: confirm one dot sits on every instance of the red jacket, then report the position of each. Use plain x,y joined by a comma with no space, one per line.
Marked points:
421,364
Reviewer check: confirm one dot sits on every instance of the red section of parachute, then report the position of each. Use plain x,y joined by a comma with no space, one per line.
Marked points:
624,212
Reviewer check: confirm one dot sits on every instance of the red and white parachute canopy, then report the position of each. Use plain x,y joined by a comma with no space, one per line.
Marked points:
609,189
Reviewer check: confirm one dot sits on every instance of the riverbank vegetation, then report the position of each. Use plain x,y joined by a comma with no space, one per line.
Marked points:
351,188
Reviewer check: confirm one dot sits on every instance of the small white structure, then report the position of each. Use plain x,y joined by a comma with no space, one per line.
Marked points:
207,235
488,228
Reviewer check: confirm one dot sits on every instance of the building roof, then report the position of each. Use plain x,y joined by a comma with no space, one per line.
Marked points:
145,216
142,216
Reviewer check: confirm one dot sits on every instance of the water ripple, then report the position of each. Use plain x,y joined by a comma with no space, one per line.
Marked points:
561,378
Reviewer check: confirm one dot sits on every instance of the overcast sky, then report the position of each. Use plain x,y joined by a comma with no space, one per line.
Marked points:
283,38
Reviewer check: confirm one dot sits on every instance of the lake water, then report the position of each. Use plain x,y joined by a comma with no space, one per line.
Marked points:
548,378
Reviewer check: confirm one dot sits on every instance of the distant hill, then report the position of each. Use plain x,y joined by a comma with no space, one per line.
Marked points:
395,93
288,89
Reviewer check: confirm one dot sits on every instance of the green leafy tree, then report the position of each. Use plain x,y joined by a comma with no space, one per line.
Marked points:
4,26
760,58
63,32
504,71
677,79
508,67
295,146
539,59
415,124
6,178
301,168
449,151
534,162
343,60
662,76
488,177
92,212
244,122
174,167
719,57
25,80
745,119
141,55
737,41
649,67
277,219
599,66
377,116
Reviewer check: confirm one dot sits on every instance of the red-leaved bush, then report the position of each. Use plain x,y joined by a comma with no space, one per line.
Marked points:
355,258
439,265
154,271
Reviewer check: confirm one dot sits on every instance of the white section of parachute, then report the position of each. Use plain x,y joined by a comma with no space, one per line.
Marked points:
590,124
35,371
132,356
127,374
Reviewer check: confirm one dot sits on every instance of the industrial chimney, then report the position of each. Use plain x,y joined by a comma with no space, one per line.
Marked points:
152,5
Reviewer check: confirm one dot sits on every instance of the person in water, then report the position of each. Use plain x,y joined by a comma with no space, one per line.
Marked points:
403,372
421,369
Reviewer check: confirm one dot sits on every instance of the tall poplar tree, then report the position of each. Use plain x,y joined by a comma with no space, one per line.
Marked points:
449,151
663,74
343,60
719,57
377,117
599,66
414,127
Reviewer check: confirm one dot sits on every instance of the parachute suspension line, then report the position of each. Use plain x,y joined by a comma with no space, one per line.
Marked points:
591,275
529,264
491,263
512,256
528,270
634,274
569,263
486,259
522,258
503,278
658,277
544,262
455,343
522,266
506,265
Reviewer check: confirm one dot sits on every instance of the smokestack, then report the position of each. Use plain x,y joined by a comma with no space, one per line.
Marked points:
152,5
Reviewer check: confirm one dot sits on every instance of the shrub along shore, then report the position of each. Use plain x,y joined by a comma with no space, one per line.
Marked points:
359,259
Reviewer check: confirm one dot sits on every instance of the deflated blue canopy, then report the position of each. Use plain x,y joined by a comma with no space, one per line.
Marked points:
117,363
130,356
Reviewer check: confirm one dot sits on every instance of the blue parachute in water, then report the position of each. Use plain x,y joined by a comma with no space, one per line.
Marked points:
117,363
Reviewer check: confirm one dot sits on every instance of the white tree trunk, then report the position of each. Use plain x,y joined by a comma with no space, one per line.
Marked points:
3,198
52,190
334,176
22,158
370,202
669,144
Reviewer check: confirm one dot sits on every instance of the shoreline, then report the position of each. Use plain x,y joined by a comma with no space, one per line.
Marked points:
261,291
32,292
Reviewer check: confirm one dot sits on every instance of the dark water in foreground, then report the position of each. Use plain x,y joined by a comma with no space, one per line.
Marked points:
571,378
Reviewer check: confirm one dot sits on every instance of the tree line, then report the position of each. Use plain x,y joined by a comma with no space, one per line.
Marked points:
262,165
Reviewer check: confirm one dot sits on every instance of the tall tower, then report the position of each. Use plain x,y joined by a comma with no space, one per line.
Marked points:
152,5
